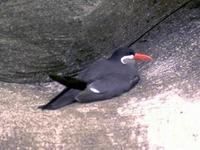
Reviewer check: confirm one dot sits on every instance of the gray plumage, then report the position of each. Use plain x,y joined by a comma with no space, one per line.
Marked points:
104,79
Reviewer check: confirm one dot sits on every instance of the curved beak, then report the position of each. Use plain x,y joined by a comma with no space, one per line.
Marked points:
142,57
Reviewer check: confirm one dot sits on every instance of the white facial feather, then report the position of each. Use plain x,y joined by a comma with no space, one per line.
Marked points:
125,59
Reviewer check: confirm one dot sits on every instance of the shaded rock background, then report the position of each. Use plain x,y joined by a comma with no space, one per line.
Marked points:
161,112
48,36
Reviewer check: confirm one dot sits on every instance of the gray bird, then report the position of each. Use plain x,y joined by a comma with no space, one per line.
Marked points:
104,79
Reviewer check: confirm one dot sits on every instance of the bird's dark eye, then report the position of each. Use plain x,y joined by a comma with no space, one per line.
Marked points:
131,53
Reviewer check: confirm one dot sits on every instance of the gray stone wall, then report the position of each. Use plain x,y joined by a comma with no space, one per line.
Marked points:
50,36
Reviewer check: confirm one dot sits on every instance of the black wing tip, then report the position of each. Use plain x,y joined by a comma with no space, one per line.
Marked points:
46,107
51,106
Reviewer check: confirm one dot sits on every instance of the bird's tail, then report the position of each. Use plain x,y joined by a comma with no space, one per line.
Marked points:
66,97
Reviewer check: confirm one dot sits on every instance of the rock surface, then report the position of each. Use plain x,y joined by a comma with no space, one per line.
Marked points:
161,112
49,36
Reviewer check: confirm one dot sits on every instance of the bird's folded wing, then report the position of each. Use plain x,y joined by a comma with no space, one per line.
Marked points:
106,87
69,82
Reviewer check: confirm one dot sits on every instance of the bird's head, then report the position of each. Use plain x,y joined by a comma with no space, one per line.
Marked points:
126,55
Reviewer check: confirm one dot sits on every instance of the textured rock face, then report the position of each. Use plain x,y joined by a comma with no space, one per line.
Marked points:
44,36
160,113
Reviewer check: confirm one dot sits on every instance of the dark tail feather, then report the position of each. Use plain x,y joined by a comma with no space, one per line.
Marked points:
66,97
70,82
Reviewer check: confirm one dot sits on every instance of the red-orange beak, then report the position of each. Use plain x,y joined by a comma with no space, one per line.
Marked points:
142,57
